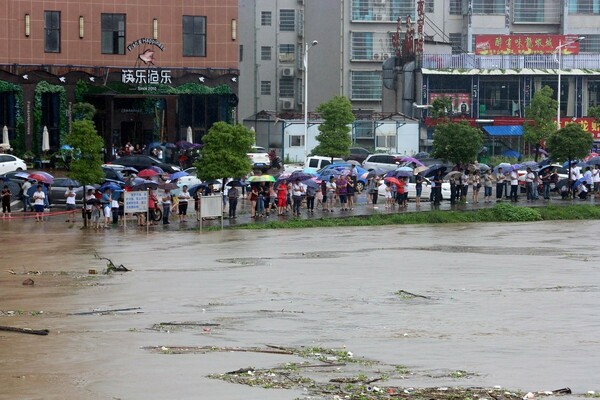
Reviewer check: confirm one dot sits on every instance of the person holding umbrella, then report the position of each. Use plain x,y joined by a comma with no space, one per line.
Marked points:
166,204
106,201
437,196
297,190
282,197
6,201
514,185
232,197
419,189
25,196
500,178
70,200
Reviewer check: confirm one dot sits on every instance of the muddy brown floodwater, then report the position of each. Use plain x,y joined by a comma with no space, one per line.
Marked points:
513,305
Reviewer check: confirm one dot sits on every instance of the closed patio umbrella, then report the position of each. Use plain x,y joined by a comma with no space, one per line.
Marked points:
45,139
190,137
5,141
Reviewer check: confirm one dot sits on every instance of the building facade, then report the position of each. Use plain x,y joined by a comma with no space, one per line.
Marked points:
151,69
356,37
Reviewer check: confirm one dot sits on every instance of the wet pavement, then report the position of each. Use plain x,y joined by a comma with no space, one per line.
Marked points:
513,304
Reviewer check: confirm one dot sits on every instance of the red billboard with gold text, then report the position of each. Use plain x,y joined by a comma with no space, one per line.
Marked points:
525,44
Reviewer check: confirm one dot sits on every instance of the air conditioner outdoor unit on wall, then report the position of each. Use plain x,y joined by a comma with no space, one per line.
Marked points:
376,56
289,72
385,56
380,17
287,104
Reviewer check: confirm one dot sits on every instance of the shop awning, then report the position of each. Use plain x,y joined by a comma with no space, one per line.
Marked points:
509,130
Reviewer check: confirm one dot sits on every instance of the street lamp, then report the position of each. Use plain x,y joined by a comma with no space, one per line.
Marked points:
305,62
558,59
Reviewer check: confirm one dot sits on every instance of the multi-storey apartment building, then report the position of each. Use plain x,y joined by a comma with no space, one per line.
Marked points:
151,68
355,39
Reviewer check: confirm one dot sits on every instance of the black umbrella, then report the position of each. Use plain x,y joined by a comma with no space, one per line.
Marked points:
236,183
433,170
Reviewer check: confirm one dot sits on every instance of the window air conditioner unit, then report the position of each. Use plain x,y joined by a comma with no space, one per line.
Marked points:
376,56
289,72
287,104
385,56
380,17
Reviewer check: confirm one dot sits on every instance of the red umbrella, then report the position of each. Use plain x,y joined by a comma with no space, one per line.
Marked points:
147,173
41,176
392,181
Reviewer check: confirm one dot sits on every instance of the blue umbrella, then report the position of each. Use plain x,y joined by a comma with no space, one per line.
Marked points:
194,189
154,144
178,175
573,162
70,182
311,183
66,147
515,167
157,169
530,164
511,153
33,189
116,194
505,167
109,185
578,182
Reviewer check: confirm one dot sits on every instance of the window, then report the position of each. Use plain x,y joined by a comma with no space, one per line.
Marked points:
488,7
298,141
584,7
287,52
591,44
366,85
401,8
265,53
362,45
265,88
52,31
286,86
429,6
527,11
456,42
113,33
265,18
287,20
455,7
194,36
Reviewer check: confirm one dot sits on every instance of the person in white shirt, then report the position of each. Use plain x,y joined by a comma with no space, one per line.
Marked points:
331,190
297,191
529,178
39,197
596,178
184,197
587,176
514,185
70,196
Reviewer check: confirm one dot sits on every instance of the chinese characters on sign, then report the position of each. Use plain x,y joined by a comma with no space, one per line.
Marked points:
524,44
136,202
145,77
588,124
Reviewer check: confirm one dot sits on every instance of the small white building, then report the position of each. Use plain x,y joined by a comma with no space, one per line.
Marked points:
383,133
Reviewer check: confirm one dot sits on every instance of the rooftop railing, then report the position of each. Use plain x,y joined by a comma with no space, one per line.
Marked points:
534,61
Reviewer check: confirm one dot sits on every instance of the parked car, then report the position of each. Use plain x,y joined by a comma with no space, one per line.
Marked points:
358,154
56,192
260,158
412,191
141,161
9,163
316,163
113,175
387,162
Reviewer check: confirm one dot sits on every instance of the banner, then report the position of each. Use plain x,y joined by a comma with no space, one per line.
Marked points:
588,124
524,44
461,102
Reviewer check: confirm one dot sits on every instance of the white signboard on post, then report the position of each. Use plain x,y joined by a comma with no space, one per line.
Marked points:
211,206
136,202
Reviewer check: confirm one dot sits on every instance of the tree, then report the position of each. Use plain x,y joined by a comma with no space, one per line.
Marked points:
594,112
86,165
539,118
334,139
457,142
441,107
83,111
570,143
224,152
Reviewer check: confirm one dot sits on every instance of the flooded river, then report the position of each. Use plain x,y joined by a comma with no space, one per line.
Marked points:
513,305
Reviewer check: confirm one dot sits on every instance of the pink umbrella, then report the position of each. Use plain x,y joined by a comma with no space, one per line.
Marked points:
411,160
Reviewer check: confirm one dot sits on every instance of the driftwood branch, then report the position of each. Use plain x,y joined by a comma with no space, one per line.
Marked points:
111,265
42,332
105,311
404,292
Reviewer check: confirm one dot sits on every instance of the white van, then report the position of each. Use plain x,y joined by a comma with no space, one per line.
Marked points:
315,163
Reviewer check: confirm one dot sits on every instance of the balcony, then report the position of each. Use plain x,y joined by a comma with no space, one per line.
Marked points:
510,62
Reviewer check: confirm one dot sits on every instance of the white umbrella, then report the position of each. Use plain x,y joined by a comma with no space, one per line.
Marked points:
189,135
5,141
45,139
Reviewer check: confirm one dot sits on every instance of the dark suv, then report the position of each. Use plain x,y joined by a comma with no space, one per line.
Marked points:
140,162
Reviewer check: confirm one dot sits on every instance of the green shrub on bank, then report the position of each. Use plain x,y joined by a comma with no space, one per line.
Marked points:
498,213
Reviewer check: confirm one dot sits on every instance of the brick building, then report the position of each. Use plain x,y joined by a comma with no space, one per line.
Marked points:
151,68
